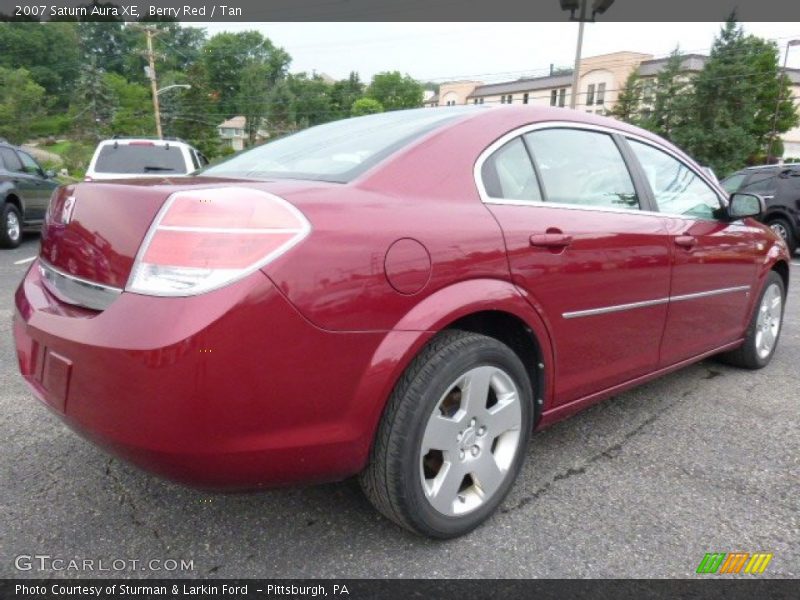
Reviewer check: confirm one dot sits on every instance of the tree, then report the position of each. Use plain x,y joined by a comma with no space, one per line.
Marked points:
227,54
311,102
50,53
132,114
94,101
344,93
671,105
629,101
395,91
734,101
21,103
366,106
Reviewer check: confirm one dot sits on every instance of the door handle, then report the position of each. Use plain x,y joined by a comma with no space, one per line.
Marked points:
551,240
686,241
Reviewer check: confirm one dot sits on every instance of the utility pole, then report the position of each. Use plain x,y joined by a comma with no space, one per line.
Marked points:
152,32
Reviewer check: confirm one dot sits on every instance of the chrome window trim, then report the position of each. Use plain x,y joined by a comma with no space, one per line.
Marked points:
519,131
645,303
76,290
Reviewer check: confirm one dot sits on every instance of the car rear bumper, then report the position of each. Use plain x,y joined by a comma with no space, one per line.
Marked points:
229,389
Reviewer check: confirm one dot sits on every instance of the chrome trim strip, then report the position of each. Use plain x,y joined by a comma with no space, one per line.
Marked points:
76,290
486,199
644,303
616,308
738,288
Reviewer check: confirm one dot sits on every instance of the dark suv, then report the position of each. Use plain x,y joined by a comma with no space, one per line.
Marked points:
779,185
25,190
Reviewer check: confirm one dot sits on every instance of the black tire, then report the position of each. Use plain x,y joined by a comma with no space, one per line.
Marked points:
784,229
747,355
6,240
392,480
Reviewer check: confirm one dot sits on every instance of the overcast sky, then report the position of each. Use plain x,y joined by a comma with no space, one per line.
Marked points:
485,51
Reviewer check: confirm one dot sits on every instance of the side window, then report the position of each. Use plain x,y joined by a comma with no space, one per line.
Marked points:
731,184
676,188
582,167
10,160
508,173
195,162
762,183
30,166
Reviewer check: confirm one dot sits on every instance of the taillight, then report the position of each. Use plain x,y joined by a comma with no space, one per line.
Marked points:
205,239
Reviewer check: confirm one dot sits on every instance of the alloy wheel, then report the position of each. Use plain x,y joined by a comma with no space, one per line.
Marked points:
470,441
12,226
780,229
768,323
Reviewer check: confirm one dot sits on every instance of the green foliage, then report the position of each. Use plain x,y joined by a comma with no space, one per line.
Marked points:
344,93
395,91
672,105
131,114
22,102
629,101
366,106
227,56
50,53
728,120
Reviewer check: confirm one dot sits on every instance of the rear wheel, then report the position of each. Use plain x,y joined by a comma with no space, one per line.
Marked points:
762,335
785,231
10,226
453,436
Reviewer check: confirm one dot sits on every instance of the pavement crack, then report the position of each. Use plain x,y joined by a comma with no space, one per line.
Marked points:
126,499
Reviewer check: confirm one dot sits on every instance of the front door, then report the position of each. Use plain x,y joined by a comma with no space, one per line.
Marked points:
714,261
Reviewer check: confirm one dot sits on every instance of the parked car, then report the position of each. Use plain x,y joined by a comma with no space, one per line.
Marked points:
128,158
779,185
404,296
25,190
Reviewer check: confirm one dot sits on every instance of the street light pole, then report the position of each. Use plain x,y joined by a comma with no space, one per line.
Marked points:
774,132
573,97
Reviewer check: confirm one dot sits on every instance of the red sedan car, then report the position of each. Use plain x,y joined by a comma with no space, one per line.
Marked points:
405,296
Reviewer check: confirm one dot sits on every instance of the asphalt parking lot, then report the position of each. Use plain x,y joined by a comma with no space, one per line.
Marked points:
643,485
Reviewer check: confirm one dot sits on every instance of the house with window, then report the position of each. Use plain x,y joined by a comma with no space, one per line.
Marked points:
232,132
600,80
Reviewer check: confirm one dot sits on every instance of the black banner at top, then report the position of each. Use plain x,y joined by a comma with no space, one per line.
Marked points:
398,10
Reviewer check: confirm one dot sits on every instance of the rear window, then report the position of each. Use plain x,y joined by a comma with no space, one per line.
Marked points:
338,151
145,159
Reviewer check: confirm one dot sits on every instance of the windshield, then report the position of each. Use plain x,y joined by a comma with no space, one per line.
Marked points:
149,158
338,151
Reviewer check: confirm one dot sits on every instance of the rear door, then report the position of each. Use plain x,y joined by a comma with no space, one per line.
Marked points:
25,185
592,261
714,261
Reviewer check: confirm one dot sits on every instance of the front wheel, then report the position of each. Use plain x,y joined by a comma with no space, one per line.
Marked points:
453,436
761,337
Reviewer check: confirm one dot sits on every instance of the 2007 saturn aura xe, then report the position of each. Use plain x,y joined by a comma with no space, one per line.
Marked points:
404,296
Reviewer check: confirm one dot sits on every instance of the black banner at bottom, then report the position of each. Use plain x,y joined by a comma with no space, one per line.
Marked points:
356,589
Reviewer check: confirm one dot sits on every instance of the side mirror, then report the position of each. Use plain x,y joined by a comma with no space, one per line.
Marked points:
743,205
49,174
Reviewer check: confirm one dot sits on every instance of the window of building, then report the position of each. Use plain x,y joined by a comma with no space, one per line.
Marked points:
481,102
601,93
676,188
582,167
590,95
525,98
508,173
553,97
562,97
